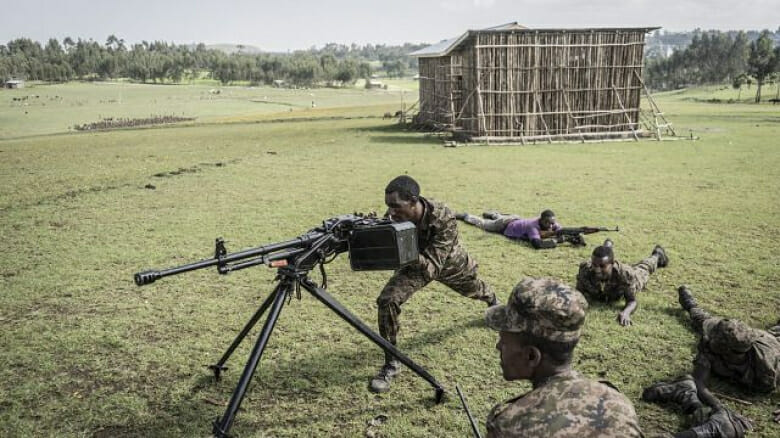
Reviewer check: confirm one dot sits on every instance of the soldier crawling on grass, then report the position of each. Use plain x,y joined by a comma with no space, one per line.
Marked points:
441,259
540,232
729,349
539,328
603,278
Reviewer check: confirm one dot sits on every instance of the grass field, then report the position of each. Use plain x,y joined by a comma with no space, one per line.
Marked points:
87,353
52,109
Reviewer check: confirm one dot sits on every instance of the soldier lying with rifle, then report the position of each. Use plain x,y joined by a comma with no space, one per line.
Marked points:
543,232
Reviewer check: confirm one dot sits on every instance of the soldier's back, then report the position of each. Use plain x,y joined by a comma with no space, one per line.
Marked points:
760,370
567,405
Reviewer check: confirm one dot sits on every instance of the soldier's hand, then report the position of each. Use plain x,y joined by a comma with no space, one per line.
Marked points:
777,415
624,320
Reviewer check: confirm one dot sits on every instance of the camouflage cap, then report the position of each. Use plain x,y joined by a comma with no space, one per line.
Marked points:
728,335
543,307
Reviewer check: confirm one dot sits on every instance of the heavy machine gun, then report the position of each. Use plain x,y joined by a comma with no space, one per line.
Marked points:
373,244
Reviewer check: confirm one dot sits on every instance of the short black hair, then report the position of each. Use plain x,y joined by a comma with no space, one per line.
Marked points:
547,214
406,187
603,251
557,353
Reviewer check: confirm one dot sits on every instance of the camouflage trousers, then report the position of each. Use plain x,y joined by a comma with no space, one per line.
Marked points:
699,316
496,225
459,273
640,272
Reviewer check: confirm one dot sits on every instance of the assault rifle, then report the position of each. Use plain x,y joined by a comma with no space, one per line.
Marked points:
574,235
372,243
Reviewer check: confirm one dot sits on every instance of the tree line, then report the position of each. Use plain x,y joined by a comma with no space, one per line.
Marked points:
160,61
716,57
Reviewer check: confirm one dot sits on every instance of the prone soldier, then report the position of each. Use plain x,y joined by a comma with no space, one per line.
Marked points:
733,350
539,328
729,349
541,232
603,278
441,259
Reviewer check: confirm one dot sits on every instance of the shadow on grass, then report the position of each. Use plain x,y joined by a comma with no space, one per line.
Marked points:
396,134
681,316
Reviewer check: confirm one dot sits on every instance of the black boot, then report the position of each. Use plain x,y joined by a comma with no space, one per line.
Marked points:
663,259
381,382
682,391
461,216
685,298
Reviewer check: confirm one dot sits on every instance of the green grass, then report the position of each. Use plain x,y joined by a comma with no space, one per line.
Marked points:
57,108
87,353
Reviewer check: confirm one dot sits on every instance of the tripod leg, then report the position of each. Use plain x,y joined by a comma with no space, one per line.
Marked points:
347,316
220,366
222,425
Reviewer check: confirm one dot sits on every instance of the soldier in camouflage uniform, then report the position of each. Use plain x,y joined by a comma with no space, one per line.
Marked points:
441,259
730,349
538,330
603,278
733,350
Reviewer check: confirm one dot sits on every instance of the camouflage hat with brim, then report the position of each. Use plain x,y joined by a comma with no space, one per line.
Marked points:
542,307
728,335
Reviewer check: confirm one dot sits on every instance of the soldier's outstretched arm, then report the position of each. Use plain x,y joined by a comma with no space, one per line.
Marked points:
701,375
624,317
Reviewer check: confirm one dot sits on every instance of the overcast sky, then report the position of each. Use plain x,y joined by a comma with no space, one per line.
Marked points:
299,24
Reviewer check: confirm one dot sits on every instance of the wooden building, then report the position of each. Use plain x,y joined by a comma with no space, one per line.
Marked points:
513,84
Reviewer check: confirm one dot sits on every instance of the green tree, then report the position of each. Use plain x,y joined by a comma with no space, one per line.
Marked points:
762,62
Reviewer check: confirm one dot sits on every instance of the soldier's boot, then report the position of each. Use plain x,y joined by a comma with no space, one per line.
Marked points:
681,391
381,382
492,215
608,243
461,216
723,423
663,259
685,298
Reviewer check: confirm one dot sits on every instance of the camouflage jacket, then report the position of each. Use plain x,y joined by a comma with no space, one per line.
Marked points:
437,237
760,370
621,284
567,405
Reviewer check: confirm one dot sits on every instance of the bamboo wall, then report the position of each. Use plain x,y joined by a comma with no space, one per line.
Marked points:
538,85
436,105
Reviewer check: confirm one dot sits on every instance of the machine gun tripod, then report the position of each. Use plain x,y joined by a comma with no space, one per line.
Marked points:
373,244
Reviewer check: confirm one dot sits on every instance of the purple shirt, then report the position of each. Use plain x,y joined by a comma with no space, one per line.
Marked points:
526,229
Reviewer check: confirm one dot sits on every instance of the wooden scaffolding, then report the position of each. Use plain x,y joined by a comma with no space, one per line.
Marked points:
526,85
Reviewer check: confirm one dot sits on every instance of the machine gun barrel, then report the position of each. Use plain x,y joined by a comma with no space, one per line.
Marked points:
222,259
